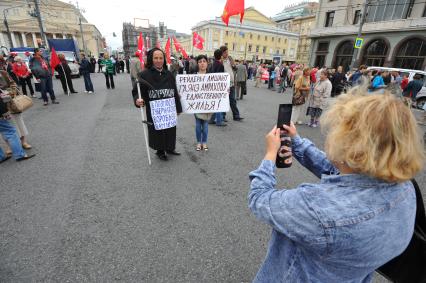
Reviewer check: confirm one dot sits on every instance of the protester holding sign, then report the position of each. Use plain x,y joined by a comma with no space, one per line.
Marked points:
202,119
159,94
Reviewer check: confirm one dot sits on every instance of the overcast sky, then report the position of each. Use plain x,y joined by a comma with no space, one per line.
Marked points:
180,15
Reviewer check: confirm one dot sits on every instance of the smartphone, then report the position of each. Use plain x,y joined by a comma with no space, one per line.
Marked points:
284,154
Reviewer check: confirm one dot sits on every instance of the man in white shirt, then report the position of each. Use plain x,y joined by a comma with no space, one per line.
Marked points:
228,64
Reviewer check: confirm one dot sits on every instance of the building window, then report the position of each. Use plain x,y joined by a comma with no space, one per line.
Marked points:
279,40
226,44
249,48
320,60
258,37
344,55
251,36
283,51
264,50
424,11
226,33
272,39
257,48
233,46
278,52
266,37
389,10
323,46
285,40
411,54
329,19
375,55
357,17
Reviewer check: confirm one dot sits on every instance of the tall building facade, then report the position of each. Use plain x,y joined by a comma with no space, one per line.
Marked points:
258,38
394,33
150,33
299,18
60,20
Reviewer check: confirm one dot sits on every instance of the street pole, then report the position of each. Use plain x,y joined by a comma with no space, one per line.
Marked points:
40,23
9,35
81,28
354,62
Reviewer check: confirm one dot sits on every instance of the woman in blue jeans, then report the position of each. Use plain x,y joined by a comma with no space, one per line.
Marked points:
202,119
361,213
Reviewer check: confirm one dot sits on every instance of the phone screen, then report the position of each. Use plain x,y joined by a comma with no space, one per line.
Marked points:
284,115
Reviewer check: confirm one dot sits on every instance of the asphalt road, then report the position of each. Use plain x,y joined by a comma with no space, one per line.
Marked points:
89,208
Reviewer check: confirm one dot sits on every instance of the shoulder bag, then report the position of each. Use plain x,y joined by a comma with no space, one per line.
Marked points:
410,266
20,103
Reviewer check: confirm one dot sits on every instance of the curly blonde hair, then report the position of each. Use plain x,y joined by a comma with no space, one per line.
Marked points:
374,134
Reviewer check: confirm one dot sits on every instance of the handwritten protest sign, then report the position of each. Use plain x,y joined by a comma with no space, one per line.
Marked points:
204,93
163,113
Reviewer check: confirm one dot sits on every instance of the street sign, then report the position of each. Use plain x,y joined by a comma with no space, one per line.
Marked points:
358,42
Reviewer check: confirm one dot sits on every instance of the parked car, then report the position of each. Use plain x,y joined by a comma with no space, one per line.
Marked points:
421,96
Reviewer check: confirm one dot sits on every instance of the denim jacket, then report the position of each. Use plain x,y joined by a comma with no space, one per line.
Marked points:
338,230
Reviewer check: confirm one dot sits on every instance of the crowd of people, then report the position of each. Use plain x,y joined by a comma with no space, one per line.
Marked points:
16,78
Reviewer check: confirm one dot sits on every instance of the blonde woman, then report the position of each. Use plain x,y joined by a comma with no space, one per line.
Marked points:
318,100
301,92
361,214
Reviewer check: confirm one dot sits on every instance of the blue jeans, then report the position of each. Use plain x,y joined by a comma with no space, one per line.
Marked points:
88,82
8,131
217,118
46,85
201,130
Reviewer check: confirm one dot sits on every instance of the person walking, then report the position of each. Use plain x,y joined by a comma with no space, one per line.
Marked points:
217,67
109,71
85,68
156,77
201,119
135,68
259,74
42,71
338,82
64,72
100,64
362,212
24,75
318,100
241,80
300,93
228,64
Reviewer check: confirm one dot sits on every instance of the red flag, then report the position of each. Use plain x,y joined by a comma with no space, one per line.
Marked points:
233,7
167,49
157,44
140,49
179,48
54,60
197,41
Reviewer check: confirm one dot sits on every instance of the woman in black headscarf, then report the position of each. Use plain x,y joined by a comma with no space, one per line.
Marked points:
159,94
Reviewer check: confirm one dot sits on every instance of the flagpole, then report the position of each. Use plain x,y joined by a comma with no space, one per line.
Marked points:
144,125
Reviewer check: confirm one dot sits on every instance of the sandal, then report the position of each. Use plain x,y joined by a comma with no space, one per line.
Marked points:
8,153
205,147
198,148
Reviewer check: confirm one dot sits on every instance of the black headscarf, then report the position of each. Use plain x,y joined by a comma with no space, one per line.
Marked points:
150,58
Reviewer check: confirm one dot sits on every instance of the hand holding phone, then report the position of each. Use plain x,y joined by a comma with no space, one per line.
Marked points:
284,155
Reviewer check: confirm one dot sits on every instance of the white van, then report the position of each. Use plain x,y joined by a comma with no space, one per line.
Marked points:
421,96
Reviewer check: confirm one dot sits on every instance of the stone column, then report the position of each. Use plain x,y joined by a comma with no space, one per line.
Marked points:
34,40
54,35
64,36
13,39
24,39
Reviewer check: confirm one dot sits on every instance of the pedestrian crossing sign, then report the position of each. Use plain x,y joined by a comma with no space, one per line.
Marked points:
358,42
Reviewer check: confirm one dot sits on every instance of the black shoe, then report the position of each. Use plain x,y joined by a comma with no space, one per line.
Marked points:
26,157
162,155
5,159
55,102
74,91
238,119
173,152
